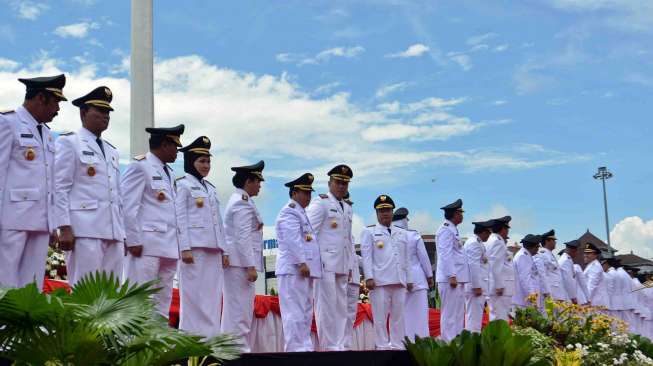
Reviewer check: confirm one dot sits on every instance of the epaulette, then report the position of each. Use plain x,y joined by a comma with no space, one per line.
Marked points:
291,205
209,183
180,178
245,198
350,203
446,224
67,133
139,157
108,143
371,225
323,196
7,111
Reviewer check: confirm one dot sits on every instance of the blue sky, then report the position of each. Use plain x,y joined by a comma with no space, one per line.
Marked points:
509,105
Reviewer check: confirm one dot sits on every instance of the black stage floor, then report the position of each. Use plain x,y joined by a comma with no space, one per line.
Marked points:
358,358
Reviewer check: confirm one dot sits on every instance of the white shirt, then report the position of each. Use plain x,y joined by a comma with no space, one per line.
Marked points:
418,259
26,186
550,274
198,215
297,242
87,187
331,220
150,210
502,273
385,255
596,284
568,275
243,228
527,277
479,265
450,258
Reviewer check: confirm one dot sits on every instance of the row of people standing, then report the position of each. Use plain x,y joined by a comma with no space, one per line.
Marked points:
484,272
149,225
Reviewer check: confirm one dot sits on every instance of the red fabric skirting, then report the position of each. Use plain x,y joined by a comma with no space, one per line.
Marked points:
264,304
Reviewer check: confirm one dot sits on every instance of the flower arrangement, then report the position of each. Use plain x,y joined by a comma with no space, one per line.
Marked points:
55,266
583,335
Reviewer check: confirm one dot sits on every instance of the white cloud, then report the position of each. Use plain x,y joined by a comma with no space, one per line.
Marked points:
321,57
423,222
463,60
633,234
499,102
250,116
530,78
28,9
8,65
479,39
415,50
501,47
522,221
389,89
326,88
76,30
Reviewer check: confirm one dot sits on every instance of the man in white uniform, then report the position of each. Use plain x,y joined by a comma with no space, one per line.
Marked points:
596,286
203,247
615,303
385,267
526,273
27,182
298,265
567,272
502,274
477,289
148,187
416,309
330,217
451,272
244,234
88,202
549,268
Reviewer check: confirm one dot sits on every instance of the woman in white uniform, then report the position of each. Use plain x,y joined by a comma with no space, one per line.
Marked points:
201,242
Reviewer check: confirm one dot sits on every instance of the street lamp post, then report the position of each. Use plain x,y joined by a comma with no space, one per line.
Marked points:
604,174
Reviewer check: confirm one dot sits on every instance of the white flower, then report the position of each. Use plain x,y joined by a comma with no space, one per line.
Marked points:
570,346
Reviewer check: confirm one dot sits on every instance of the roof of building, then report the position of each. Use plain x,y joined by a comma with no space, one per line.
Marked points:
634,260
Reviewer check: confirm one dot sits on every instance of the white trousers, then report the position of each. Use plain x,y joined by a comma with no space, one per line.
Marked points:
90,255
416,314
353,293
23,255
452,312
145,268
200,293
632,319
500,307
388,300
238,305
474,309
296,303
331,310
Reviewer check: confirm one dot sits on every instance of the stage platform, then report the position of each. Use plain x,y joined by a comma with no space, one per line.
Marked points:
358,358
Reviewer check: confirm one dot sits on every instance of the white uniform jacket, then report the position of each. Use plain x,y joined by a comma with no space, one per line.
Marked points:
243,227
625,288
613,288
87,187
331,221
418,260
150,209
527,277
568,275
451,260
479,266
596,284
581,288
502,273
198,215
297,242
385,255
26,173
551,275
355,270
